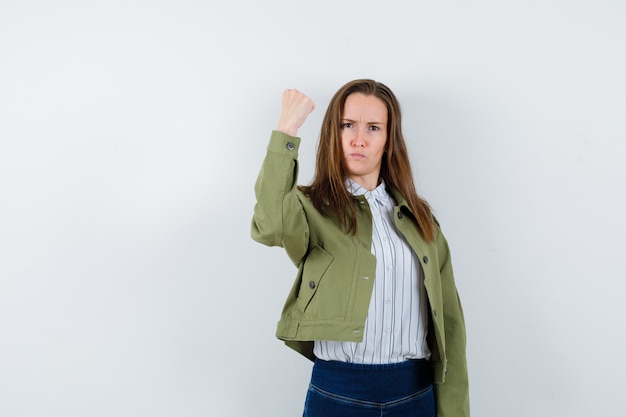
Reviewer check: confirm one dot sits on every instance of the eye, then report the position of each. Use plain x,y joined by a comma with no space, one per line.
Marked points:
346,125
374,128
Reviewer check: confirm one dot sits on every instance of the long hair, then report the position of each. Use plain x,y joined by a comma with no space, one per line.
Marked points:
328,191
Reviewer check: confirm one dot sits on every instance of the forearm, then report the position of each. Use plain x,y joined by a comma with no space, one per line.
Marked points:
453,395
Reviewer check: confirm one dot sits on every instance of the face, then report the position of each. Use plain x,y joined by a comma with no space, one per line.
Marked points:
363,138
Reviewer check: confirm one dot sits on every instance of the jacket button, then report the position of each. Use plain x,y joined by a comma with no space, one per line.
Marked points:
291,146
425,259
311,284
399,214
435,313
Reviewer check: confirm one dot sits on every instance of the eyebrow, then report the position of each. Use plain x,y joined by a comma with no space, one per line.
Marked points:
354,121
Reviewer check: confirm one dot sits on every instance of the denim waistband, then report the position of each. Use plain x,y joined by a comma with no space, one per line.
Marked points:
380,383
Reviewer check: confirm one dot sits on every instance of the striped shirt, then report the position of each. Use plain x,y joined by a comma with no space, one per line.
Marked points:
396,324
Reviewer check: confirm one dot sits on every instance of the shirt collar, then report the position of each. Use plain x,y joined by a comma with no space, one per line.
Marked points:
379,193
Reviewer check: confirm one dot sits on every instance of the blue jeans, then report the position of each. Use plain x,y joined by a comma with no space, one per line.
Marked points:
341,389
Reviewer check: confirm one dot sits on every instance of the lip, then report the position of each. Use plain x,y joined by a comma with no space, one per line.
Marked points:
357,155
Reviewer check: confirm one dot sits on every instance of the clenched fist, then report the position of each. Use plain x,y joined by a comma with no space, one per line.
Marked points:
295,109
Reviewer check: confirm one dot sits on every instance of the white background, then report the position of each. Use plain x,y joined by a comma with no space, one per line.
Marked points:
131,133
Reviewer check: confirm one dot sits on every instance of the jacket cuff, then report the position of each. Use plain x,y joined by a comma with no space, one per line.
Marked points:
284,144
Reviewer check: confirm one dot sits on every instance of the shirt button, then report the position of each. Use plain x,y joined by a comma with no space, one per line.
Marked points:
387,301
311,284
291,146
425,259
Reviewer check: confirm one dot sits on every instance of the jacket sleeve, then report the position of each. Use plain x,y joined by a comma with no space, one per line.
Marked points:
452,397
279,219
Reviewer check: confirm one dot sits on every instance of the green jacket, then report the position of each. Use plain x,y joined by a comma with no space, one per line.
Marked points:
330,297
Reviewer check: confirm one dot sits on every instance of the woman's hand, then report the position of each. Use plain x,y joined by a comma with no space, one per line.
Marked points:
295,109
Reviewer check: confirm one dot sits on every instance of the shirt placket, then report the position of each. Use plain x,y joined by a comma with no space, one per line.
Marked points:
387,282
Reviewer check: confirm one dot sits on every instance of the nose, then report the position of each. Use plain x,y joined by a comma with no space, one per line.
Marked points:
359,138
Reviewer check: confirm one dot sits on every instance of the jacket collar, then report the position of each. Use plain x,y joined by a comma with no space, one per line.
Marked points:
400,200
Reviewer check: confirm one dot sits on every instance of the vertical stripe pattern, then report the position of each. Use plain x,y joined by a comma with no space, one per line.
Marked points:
396,324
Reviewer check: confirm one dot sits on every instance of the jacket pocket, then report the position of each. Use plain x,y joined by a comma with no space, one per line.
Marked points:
315,265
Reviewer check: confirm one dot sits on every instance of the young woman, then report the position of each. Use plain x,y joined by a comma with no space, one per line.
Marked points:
374,303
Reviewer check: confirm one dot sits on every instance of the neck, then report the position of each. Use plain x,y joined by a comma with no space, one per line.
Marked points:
369,183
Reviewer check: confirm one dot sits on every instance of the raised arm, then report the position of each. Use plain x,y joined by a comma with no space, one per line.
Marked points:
279,218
